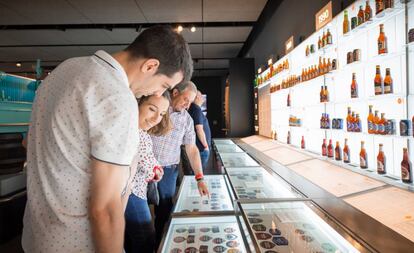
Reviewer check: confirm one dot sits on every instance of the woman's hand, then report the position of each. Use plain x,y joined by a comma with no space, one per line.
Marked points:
158,173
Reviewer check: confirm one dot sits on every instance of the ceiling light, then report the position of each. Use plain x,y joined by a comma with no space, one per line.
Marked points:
193,29
179,28
18,64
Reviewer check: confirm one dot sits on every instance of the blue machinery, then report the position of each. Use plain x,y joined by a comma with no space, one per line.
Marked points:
16,99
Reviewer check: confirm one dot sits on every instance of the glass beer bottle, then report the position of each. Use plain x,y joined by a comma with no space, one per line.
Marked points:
354,88
338,150
363,161
378,81
381,161
379,6
387,82
302,143
370,120
345,24
361,15
347,157
382,41
406,172
330,149
324,151
367,12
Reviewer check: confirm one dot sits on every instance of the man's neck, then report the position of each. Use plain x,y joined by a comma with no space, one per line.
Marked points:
123,58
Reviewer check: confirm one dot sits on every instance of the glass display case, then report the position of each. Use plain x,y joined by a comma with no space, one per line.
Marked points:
256,182
189,199
237,160
203,234
228,148
294,227
223,141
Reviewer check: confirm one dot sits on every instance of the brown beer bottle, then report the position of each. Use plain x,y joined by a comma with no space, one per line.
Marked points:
387,82
345,24
338,150
389,4
302,143
324,152
288,137
361,15
381,161
367,12
406,172
354,88
347,157
378,81
363,161
375,123
379,6
330,149
382,41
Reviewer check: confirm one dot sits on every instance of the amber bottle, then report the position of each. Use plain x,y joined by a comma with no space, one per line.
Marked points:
345,24
328,37
382,41
379,6
361,16
367,12
324,152
378,81
363,161
381,124
370,120
338,150
381,161
406,172
387,82
349,120
347,157
375,123
330,149
354,88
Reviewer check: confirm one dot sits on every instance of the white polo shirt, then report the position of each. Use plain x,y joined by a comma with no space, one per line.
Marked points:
83,109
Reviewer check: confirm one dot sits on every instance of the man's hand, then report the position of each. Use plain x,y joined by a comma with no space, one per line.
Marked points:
203,188
159,172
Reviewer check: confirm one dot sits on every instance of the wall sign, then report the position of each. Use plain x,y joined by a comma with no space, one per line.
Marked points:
324,16
289,45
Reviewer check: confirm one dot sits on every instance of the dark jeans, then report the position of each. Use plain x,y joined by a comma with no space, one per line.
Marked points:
204,155
139,231
166,190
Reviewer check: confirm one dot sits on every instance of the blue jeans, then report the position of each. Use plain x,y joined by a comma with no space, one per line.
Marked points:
166,190
139,231
204,155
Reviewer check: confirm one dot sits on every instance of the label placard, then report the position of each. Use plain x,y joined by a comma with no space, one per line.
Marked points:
324,16
289,45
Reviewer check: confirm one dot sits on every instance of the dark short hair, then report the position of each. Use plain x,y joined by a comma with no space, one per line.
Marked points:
165,125
161,42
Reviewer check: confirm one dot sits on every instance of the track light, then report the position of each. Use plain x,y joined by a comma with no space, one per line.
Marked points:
18,64
193,29
179,28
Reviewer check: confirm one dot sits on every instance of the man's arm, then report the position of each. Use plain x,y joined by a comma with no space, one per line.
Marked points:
106,206
195,162
201,135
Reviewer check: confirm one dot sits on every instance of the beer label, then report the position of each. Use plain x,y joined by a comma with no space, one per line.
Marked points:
380,166
382,47
370,126
379,6
387,88
360,20
346,157
405,173
324,151
381,128
362,161
367,16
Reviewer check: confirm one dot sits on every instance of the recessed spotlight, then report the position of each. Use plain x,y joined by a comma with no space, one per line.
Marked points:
193,29
179,28
18,64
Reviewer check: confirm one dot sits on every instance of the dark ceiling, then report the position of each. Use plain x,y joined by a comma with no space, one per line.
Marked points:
54,30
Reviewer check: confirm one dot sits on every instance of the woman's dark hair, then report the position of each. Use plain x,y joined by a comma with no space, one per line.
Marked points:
167,46
165,125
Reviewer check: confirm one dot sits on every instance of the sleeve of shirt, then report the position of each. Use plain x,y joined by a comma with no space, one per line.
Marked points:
196,115
148,161
113,129
189,135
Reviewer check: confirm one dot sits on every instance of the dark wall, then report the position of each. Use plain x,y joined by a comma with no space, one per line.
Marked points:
292,17
241,75
212,87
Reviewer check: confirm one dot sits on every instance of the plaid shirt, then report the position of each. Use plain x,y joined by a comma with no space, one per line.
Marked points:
167,148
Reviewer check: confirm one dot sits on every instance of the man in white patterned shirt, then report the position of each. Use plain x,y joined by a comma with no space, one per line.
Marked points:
167,152
83,136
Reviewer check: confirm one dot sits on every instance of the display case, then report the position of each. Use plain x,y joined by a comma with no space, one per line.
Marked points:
295,226
189,199
237,160
256,183
203,234
228,148
223,141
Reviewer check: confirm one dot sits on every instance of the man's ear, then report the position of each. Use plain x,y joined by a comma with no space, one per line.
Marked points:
175,92
150,66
